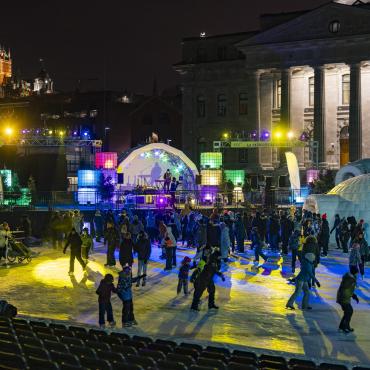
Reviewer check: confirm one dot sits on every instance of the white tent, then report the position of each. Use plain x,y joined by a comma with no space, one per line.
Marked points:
349,198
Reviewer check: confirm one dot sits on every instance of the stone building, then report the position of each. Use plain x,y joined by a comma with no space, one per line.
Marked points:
305,71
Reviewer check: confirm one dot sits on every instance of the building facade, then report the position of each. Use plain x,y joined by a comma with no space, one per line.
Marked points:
306,72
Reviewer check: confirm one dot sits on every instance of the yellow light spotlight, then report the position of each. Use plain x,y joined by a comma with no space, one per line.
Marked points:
61,133
290,135
50,132
278,135
225,135
8,131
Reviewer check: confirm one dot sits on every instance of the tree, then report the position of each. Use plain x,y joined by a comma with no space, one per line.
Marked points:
105,187
324,183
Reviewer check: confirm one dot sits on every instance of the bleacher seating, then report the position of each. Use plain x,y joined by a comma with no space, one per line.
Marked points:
36,345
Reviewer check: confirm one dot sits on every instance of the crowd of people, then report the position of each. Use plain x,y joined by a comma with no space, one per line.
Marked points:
216,238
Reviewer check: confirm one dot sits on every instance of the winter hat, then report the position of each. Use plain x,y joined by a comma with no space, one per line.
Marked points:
362,221
186,259
109,278
353,270
324,216
310,257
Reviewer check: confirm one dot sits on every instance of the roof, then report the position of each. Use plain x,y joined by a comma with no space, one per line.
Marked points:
244,34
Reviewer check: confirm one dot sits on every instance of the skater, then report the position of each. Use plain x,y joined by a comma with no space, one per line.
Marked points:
87,243
310,245
364,252
302,282
104,291
143,249
257,245
125,251
111,239
344,234
239,233
355,255
336,227
184,276
204,281
225,241
75,242
345,292
286,227
124,292
293,244
98,226
324,235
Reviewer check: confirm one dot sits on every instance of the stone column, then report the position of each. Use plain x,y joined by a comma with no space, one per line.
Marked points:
355,121
319,112
254,111
285,98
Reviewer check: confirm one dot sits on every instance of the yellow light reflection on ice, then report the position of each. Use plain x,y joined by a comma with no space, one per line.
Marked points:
55,272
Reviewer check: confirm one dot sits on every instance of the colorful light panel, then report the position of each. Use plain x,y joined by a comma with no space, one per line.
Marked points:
106,160
7,177
88,178
211,177
236,176
87,196
211,160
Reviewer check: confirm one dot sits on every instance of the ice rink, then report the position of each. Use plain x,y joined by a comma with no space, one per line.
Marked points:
252,304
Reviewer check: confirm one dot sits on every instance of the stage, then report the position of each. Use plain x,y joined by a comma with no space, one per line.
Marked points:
252,304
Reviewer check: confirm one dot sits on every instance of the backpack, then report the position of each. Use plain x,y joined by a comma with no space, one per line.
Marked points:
7,309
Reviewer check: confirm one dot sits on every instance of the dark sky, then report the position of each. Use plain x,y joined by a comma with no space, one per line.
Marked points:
136,40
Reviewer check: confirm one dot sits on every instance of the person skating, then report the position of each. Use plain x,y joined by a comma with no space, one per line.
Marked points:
184,276
104,291
87,243
98,226
324,235
344,235
143,249
204,281
310,245
293,244
257,244
355,255
124,292
75,243
336,227
364,252
345,293
225,241
126,248
111,238
239,233
302,281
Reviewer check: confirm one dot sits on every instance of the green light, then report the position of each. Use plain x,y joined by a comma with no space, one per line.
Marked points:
236,176
211,160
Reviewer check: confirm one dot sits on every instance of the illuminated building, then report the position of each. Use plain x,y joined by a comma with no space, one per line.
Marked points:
306,71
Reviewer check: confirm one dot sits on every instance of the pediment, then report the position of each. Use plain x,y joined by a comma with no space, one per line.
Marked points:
315,24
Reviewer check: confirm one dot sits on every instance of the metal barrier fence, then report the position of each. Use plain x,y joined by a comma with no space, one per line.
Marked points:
91,199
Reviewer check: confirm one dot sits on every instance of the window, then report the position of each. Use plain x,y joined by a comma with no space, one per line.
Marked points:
221,105
277,94
243,155
334,26
201,106
345,89
222,53
243,103
201,55
311,91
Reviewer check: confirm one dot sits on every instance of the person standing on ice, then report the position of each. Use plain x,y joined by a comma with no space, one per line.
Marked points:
257,245
75,243
225,241
302,281
324,235
111,238
345,293
205,281
143,249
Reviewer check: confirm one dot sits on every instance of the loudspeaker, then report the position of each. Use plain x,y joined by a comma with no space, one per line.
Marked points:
198,179
120,178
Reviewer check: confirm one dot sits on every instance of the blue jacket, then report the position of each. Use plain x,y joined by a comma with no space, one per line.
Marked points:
124,287
307,271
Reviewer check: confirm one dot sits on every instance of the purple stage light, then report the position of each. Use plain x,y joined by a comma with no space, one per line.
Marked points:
254,135
265,135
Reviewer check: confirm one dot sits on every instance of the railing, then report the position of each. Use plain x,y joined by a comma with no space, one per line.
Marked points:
153,199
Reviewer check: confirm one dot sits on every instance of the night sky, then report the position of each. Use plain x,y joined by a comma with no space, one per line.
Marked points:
136,40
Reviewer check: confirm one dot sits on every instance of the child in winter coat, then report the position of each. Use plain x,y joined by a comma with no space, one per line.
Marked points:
124,292
104,291
184,276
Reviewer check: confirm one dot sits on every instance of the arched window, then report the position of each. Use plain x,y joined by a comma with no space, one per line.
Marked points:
334,26
201,106
311,91
221,105
243,103
345,89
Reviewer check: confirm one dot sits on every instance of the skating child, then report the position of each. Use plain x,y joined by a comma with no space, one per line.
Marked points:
104,291
124,291
87,244
184,276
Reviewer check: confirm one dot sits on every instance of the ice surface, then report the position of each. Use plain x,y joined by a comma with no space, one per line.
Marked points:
252,304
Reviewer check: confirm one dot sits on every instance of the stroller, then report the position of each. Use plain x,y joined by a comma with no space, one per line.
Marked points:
18,251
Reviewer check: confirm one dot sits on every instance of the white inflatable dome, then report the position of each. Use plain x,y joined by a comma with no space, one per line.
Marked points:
349,198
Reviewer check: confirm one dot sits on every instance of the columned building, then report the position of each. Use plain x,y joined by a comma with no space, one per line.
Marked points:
305,72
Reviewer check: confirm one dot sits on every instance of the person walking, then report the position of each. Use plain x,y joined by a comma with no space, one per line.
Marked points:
302,282
74,242
345,293
143,249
